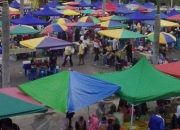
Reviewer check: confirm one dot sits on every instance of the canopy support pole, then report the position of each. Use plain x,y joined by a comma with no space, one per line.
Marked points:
88,112
132,116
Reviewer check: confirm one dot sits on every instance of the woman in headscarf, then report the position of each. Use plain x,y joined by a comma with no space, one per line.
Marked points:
175,122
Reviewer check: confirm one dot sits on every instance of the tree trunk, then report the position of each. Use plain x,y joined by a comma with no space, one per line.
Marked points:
155,46
22,7
5,44
104,7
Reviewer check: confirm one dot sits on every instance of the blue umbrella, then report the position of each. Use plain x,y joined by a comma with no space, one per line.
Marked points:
47,11
53,4
153,14
82,3
15,4
85,24
28,20
149,5
140,16
172,13
123,10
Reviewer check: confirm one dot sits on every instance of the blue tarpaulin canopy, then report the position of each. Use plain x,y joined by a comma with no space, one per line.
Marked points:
149,5
97,4
153,14
140,16
85,24
47,11
69,90
29,20
15,4
82,3
172,12
123,10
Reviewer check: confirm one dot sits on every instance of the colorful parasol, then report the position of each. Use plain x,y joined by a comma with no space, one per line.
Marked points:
87,11
54,28
89,19
113,17
66,7
22,29
112,24
44,42
72,3
121,34
98,12
69,91
164,23
164,38
69,12
62,21
175,18
13,11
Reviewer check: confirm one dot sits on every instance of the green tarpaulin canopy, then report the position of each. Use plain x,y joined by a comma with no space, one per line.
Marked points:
143,83
11,106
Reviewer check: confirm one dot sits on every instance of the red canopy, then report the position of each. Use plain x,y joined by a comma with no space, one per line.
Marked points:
170,68
175,18
14,92
110,7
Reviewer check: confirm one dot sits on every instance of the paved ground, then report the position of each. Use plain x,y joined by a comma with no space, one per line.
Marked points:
55,121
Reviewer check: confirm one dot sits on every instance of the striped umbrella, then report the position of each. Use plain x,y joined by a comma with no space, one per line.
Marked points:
62,21
54,28
121,34
112,24
89,19
164,38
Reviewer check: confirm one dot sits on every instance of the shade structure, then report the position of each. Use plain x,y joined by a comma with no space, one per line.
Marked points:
143,83
172,13
123,10
113,17
44,42
22,29
109,6
113,24
83,24
62,21
69,12
163,23
87,11
28,20
82,3
164,38
15,4
89,19
149,5
153,14
99,12
97,4
11,106
54,28
120,34
66,7
16,93
14,11
73,3
69,90
170,68
139,16
47,11
175,18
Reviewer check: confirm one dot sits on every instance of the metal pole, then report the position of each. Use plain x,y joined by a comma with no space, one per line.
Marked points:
132,116
172,3
104,7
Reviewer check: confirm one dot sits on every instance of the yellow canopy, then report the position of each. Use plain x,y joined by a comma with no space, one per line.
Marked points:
32,43
13,11
165,23
70,12
105,18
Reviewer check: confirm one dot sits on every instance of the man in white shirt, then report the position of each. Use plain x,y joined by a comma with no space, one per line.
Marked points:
115,44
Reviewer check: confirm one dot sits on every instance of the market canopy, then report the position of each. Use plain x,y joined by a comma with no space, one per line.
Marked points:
149,5
47,11
170,68
22,29
69,12
14,11
121,34
123,10
15,4
113,24
54,27
91,19
163,23
28,20
172,12
143,83
137,15
69,90
45,42
82,3
11,106
113,17
53,4
175,18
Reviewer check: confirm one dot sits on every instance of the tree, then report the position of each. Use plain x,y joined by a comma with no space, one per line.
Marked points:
5,44
155,46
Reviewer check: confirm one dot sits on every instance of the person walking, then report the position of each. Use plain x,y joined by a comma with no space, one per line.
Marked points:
81,53
68,55
97,45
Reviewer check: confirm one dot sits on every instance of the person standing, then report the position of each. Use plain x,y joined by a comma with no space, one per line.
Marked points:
68,55
81,53
97,45
128,48
156,122
80,124
175,121
115,45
